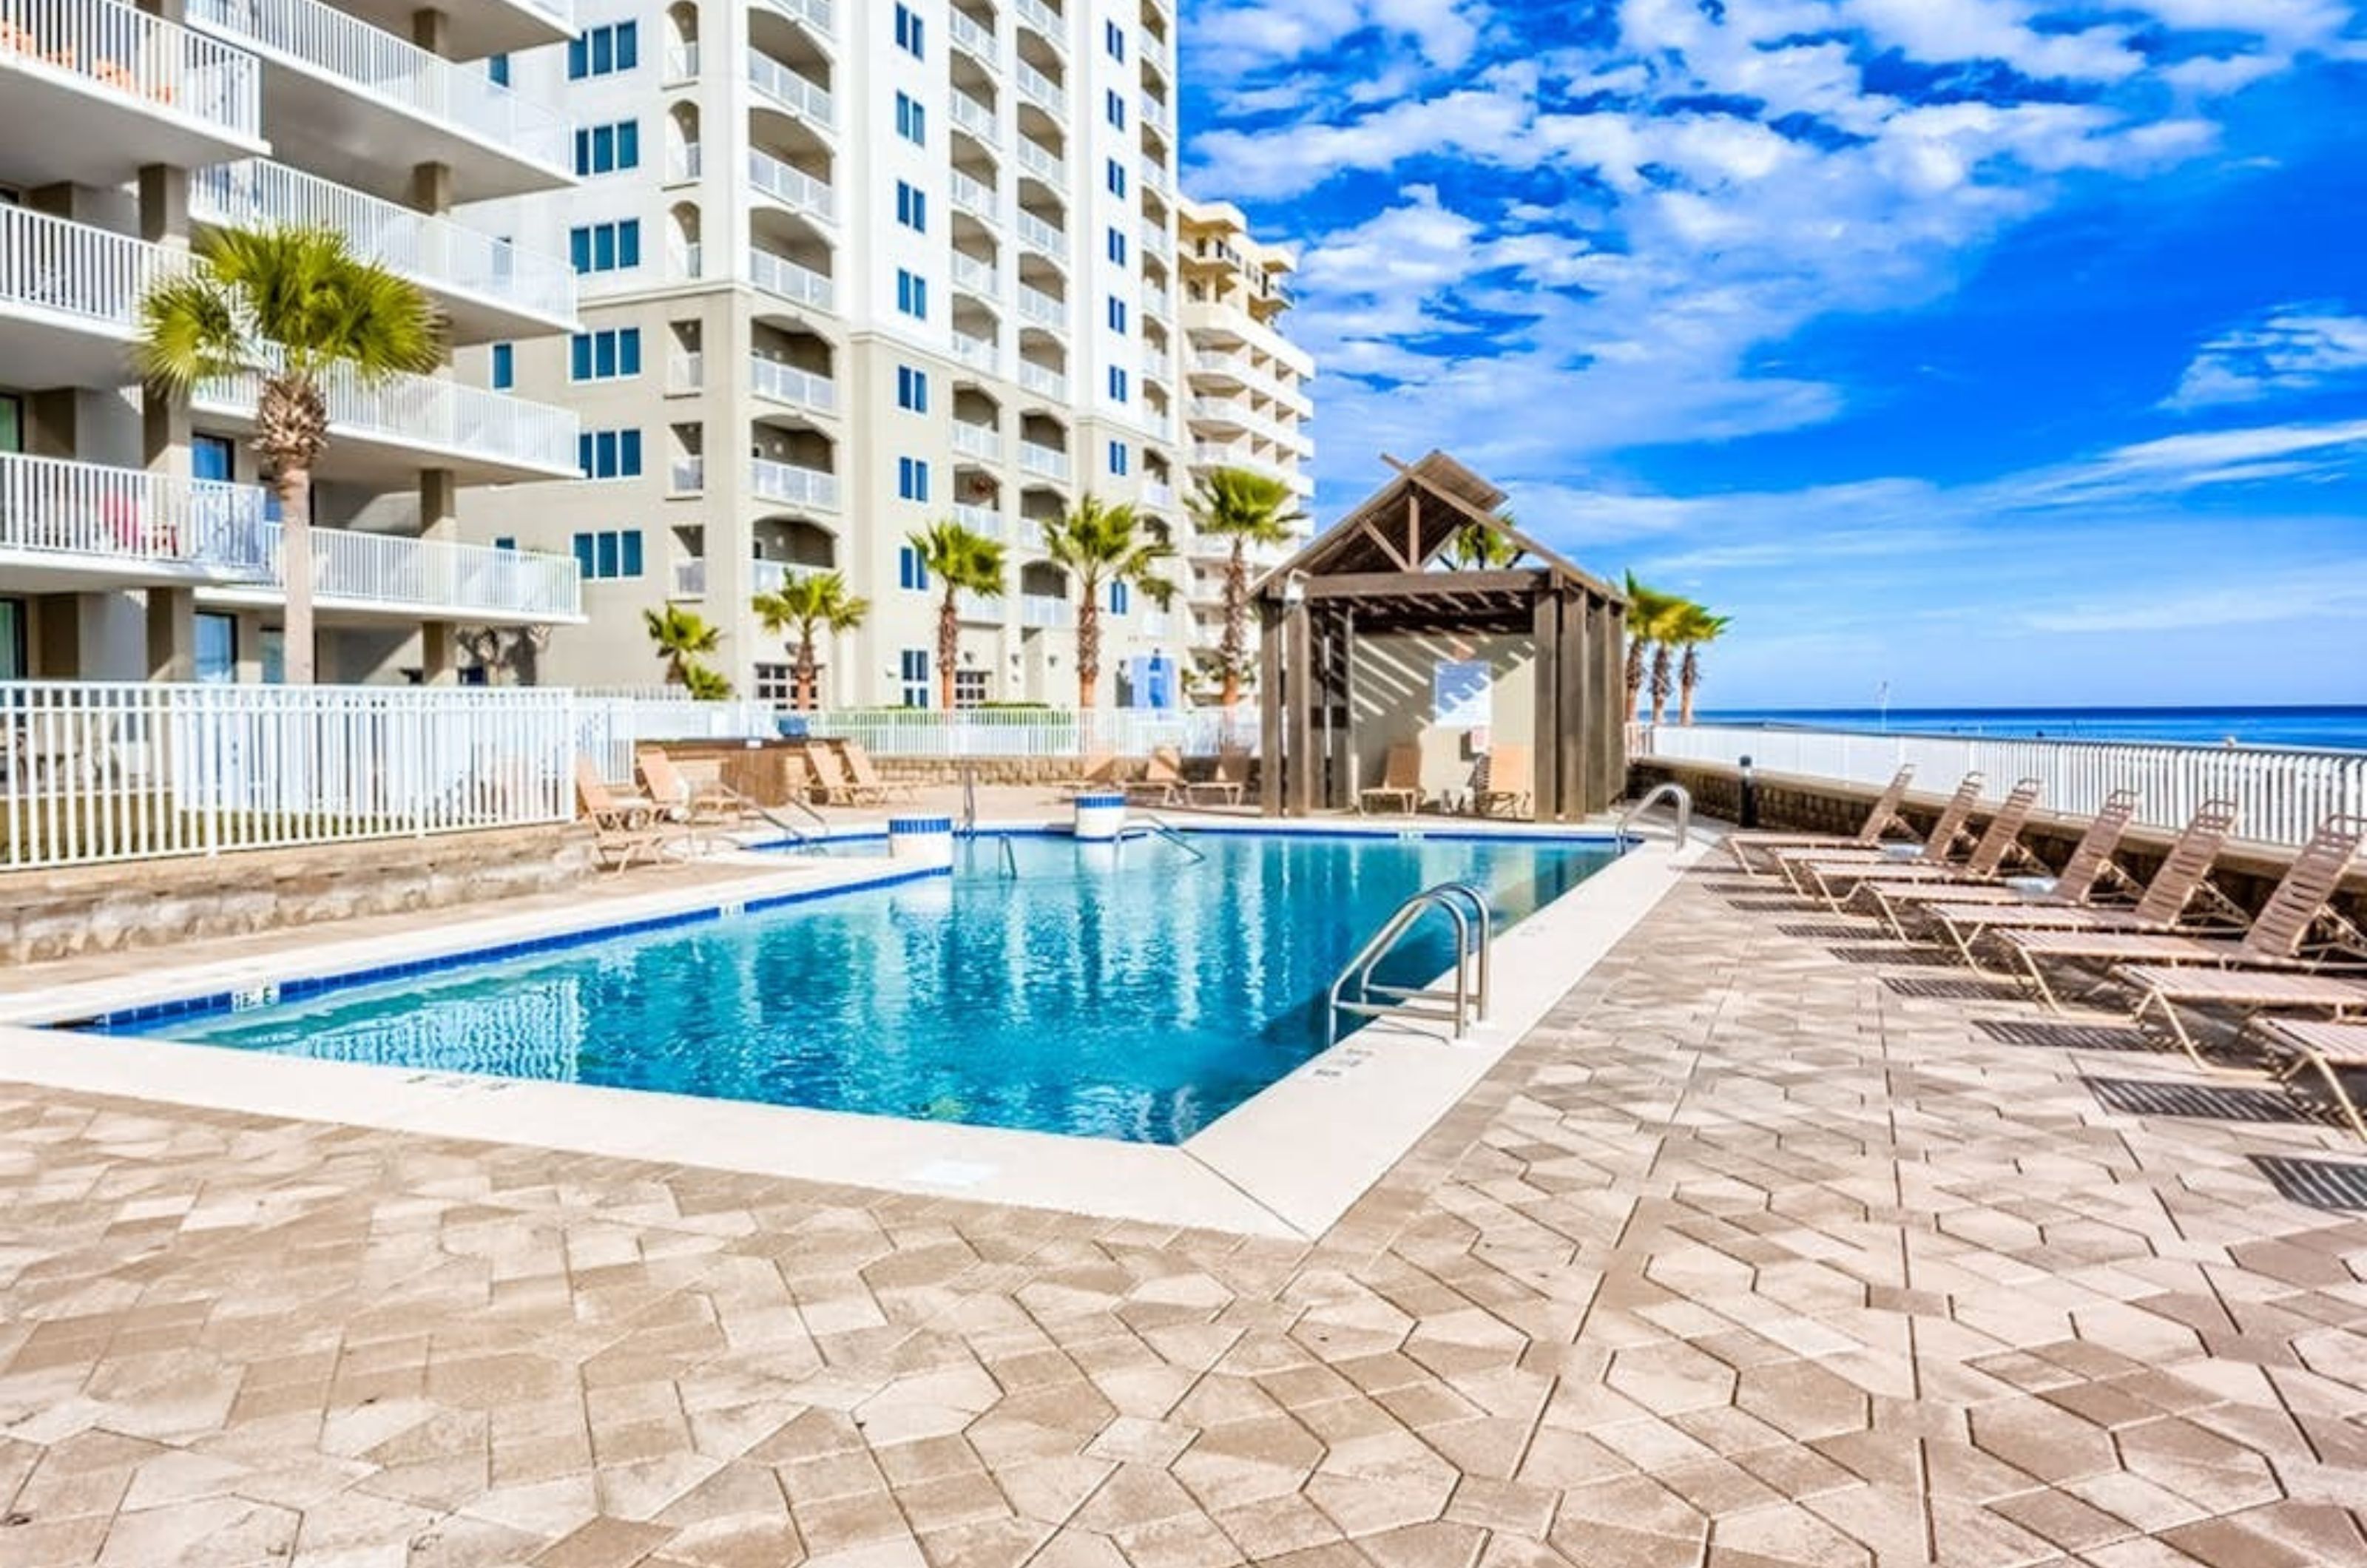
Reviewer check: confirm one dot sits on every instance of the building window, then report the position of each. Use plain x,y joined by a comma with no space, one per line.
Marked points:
14,664
776,684
1118,384
1119,457
1117,246
1114,39
504,367
911,390
912,207
605,247
609,554
969,688
1120,596
914,665
609,453
913,478
1114,104
609,356
908,32
911,120
912,294
506,541
912,572
497,69
1115,178
1116,314
604,149
212,458
602,51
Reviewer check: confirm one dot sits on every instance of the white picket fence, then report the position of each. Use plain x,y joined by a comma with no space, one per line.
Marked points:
2284,795
95,772
1041,732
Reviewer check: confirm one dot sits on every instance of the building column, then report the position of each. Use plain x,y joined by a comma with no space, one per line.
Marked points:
440,654
164,205
171,633
439,522
431,188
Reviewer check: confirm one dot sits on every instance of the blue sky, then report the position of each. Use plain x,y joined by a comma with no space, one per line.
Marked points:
2009,353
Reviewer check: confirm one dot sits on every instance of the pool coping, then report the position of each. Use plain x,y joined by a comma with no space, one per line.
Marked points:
1287,1162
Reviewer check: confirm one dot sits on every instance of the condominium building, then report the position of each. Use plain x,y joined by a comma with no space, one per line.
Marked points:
1245,385
847,270
136,540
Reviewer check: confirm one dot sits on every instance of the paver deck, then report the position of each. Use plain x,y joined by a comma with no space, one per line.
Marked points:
1763,1249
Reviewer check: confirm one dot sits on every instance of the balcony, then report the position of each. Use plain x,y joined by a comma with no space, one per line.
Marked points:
1045,611
763,576
974,277
1042,91
785,278
1155,302
1154,114
1050,241
1042,310
1156,366
66,525
686,371
352,92
776,81
486,287
1043,381
780,383
1154,174
687,476
1042,161
1156,496
973,197
980,441
1050,462
384,432
1156,241
975,117
980,520
70,298
971,37
359,576
789,485
91,90
1221,367
1154,624
976,352
1045,21
815,16
791,186
479,27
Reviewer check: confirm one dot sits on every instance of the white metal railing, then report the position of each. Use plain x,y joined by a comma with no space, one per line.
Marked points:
1040,235
686,370
682,62
972,196
1042,309
1227,362
789,483
55,506
814,14
980,520
1041,161
72,269
1044,93
393,571
684,163
1157,496
385,69
975,117
438,252
1155,364
1043,381
978,440
787,183
1155,240
772,576
779,275
979,609
2282,794
785,86
977,351
426,410
974,275
1045,20
689,474
1050,461
146,59
1154,174
788,384
966,34
1042,732
1044,609
690,578
1155,114
1155,302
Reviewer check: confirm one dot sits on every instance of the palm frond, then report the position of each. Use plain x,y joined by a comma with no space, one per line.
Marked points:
189,332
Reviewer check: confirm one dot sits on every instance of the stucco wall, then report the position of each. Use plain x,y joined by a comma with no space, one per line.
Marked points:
1396,701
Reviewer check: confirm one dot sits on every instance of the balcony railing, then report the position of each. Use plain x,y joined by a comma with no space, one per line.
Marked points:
1158,496
1042,308
689,475
1155,240
785,86
772,576
788,384
686,370
970,273
1218,361
55,506
426,410
1155,114
1042,91
977,441
1043,610
684,163
146,59
1039,235
975,351
382,67
682,62
975,117
1041,161
779,275
1050,461
787,183
392,571
972,196
1155,176
72,269
1045,20
817,15
1043,380
1154,302
796,486
980,520
968,35
436,252
1156,366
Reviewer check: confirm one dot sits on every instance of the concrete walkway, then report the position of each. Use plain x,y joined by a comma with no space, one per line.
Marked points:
1765,1248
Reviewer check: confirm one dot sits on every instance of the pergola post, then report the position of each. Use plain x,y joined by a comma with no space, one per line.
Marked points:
1305,688
1577,792
1611,726
1270,701
1545,744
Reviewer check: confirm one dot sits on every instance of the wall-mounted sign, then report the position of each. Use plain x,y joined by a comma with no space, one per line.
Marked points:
1461,691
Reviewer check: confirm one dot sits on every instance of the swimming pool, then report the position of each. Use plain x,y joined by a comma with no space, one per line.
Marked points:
1133,994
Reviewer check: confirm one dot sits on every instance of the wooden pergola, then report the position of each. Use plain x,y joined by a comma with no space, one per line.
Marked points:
1378,571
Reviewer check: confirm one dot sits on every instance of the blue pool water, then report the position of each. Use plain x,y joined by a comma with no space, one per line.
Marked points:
1134,995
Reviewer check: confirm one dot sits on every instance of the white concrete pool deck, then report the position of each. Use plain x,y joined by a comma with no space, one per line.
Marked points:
1286,1163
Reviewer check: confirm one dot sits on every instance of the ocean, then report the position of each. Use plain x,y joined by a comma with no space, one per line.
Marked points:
2342,729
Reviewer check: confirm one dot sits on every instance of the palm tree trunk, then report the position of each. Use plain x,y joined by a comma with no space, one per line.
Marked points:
1634,678
948,648
294,487
1234,648
1661,683
1089,645
1688,677
806,693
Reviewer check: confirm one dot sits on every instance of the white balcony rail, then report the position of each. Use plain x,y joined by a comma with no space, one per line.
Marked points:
785,86
788,184
779,275
1154,174
973,196
1044,609
815,14
977,277
772,576
1156,366
1043,381
1045,20
975,117
796,486
1050,461
1156,241
684,163
686,370
426,410
688,475
436,252
1048,238
384,68
966,34
149,61
1155,302
74,270
2283,795
1158,496
977,441
981,520
392,572
1042,732
1209,362
1041,90
1155,114
975,351
682,62
1042,161
788,384
1042,308
980,609
51,506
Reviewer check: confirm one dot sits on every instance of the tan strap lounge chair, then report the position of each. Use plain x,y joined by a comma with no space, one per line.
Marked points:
2314,1057
1508,780
1818,873
1882,819
625,826
2090,868
2000,842
1400,780
1100,771
2279,939
868,777
1161,782
687,799
1231,780
831,782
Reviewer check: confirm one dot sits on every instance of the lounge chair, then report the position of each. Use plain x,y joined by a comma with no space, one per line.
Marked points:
2157,966
1161,782
831,782
1100,771
625,828
2313,1057
1999,843
1400,780
1815,873
1881,820
2089,869
869,779
1231,780
686,799
1507,778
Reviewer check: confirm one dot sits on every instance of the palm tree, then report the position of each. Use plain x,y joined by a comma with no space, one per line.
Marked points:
1095,544
1692,628
704,684
1249,508
810,606
1475,547
299,305
1648,610
683,640
962,559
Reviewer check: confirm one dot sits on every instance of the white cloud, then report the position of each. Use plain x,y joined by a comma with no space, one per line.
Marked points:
2296,349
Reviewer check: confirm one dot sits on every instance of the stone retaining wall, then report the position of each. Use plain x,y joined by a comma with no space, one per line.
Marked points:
58,912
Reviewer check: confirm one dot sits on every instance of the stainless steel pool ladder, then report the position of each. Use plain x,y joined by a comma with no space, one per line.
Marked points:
1675,792
1354,991
1163,828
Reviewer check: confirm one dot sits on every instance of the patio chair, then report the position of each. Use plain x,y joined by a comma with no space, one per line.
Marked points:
625,828
1400,780
686,799
1100,771
1508,779
1813,873
1163,778
2168,971
2313,1057
868,777
831,782
1999,843
1231,780
2089,869
1880,819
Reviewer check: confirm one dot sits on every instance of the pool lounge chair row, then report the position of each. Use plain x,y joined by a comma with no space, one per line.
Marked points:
1163,781
1503,783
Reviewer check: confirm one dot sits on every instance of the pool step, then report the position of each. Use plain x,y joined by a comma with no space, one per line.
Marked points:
1402,1009
1354,991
